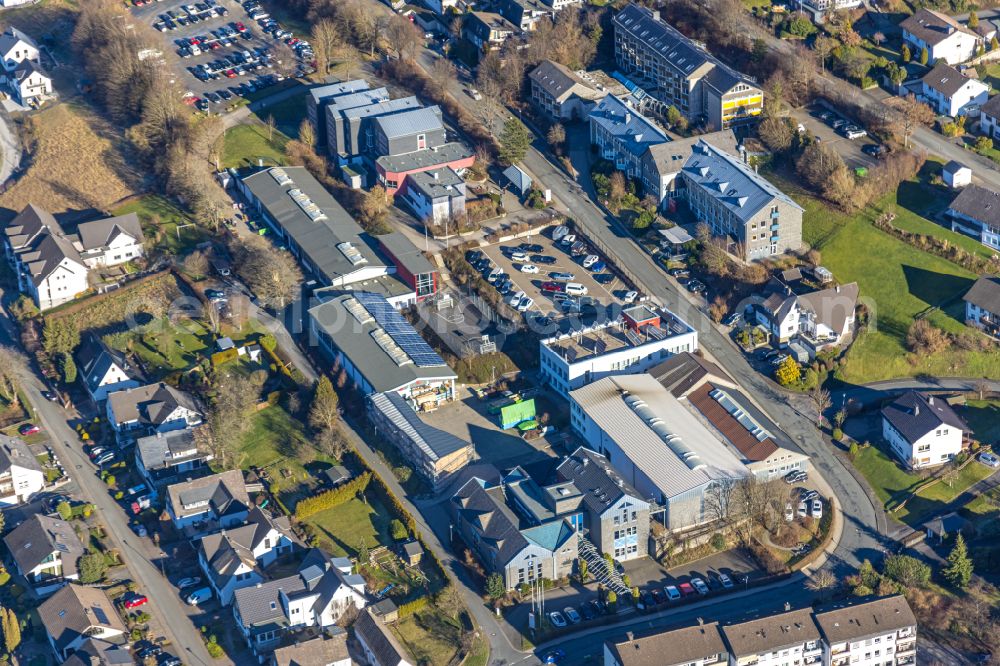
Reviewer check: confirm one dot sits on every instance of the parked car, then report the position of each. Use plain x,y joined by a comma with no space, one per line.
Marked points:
598,267
817,509
557,619
474,94
572,615
190,581
517,255
809,495
529,268
50,396
686,589
853,132
168,660
29,429
555,656
530,247
630,297
673,594
733,319
543,259
659,597
96,452
201,595
215,295
139,529
789,512
587,612
874,149
525,304
134,601
590,260
696,287
150,650
679,272
724,580
803,510
515,299
700,586
989,459
561,277
104,458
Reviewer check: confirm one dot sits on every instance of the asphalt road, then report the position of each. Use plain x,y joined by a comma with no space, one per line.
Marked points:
137,553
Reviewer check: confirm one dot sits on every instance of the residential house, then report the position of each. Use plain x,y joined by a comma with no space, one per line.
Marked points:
622,134
487,30
76,614
218,500
818,9
656,445
434,454
976,212
379,645
163,456
711,395
923,430
982,305
820,319
756,219
379,350
989,118
48,267
16,47
436,196
442,7
662,164
149,409
103,370
630,340
317,596
881,631
560,93
327,649
951,93
791,637
944,38
95,652
698,645
526,14
45,551
616,516
956,175
520,549
29,83
235,558
111,241
679,72
21,476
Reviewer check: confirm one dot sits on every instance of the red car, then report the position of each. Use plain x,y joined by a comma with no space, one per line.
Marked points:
135,601
553,287
230,74
686,589
241,27
190,100
29,429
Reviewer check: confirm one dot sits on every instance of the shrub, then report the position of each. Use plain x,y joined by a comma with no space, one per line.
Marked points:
4,578
718,542
332,498
411,607
838,434
92,568
398,530
268,342
64,510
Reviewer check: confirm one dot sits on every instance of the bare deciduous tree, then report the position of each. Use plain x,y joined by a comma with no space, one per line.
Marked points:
821,402
270,273
442,73
13,365
822,582
326,44
227,421
404,36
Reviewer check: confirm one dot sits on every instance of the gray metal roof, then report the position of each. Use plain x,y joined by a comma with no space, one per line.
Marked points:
408,123
321,93
978,203
435,443
731,182
669,157
99,233
357,341
673,647
446,153
437,183
561,82
150,404
915,414
861,620
14,452
985,294
771,633
391,106
163,449
95,359
354,100
486,510
380,640
405,253
622,121
518,178
317,239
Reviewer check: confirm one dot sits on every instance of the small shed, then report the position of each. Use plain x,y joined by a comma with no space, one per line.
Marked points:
411,552
945,526
956,175
336,475
223,344
517,179
385,609
674,239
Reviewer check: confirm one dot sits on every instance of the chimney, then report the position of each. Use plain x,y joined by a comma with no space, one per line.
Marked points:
586,461
630,636
435,175
930,400
916,410
701,621
788,606
628,117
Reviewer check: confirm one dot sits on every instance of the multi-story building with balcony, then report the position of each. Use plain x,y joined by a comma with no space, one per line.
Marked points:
878,633
679,72
976,212
622,134
982,305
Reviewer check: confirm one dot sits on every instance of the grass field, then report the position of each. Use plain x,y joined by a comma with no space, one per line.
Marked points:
165,347
244,144
983,416
75,163
342,528
431,636
898,282
160,221
893,484
288,114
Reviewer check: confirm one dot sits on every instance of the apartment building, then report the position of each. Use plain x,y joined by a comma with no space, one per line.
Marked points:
878,633
487,30
698,645
320,97
560,93
681,73
784,639
622,134
662,164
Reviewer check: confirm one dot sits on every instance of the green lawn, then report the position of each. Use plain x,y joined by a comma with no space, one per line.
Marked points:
431,636
160,220
244,144
991,75
164,346
892,484
342,528
898,282
983,416
288,114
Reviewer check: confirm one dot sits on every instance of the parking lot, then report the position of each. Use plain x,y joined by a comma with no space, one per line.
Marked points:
550,259
223,54
850,151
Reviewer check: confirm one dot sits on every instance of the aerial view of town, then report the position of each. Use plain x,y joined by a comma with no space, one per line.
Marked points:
499,332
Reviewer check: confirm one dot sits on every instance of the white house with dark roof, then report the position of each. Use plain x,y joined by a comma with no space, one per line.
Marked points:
317,596
76,614
951,93
45,551
435,196
976,212
923,430
982,305
141,411
21,476
17,47
560,93
698,645
379,645
111,241
943,37
820,319
487,30
163,456
622,134
235,558
327,649
880,631
103,370
22,67
989,118
785,638
219,501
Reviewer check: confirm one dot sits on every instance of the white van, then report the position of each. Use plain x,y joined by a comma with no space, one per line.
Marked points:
201,595
575,289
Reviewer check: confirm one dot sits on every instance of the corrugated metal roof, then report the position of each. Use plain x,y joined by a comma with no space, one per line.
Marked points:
435,443
407,123
634,130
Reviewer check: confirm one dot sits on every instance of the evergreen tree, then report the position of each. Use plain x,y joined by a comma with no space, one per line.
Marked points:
924,56
514,142
495,588
324,412
973,20
905,53
959,569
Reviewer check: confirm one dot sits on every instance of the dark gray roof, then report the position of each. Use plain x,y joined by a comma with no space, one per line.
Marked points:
107,654
226,493
985,294
931,27
858,621
978,203
70,612
991,107
379,639
517,177
600,483
95,359
405,253
321,93
150,405
26,68
29,222
633,130
38,537
668,648
407,123
376,110
945,79
486,510
670,156
337,474
99,233
560,81
46,252
167,449
681,372
437,183
915,414
329,648
14,452
953,167
358,99
420,160
318,237
11,36
225,551
771,633
435,443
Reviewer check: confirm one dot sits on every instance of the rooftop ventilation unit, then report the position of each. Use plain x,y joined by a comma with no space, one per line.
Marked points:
389,346
358,311
726,402
281,177
352,253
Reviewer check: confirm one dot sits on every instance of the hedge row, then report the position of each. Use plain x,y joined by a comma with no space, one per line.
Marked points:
224,356
411,607
332,498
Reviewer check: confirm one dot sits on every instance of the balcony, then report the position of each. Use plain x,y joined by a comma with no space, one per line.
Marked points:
904,633
906,648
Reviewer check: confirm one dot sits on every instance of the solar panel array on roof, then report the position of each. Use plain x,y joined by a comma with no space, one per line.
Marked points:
400,330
